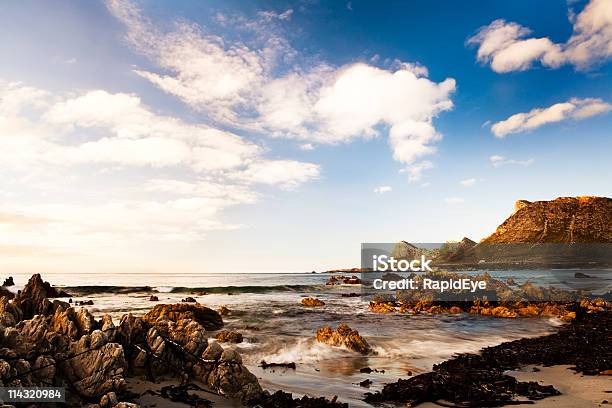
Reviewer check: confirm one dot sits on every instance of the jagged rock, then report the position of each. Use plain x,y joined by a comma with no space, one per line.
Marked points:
343,336
73,324
210,319
44,370
228,336
108,327
8,282
32,300
96,367
232,379
9,313
312,302
223,311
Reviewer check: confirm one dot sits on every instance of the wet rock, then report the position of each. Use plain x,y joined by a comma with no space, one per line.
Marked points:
352,294
189,299
265,365
343,336
312,302
281,399
381,307
224,311
109,400
365,383
232,379
8,282
208,318
153,298
510,281
85,303
228,336
455,310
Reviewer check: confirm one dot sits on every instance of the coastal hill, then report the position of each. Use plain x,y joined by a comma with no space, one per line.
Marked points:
564,220
561,233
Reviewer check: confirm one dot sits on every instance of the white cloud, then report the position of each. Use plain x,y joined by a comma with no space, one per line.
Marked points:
454,200
286,173
383,189
415,172
504,44
307,146
575,108
70,138
468,182
253,84
497,160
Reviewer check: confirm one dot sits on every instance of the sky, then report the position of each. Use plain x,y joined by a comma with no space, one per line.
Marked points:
276,136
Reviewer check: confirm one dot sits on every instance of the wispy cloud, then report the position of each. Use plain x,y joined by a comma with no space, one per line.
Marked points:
575,109
383,189
415,171
468,182
498,160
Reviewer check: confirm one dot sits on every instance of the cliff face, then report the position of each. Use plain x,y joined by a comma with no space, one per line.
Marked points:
563,220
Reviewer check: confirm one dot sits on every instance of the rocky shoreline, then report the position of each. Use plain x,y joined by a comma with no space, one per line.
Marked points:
46,342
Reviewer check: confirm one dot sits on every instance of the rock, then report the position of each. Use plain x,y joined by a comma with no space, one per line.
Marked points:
455,310
312,302
44,370
108,327
96,367
8,282
381,307
352,294
281,399
580,275
85,303
212,352
109,400
265,365
153,298
223,311
32,299
365,383
231,355
208,318
189,299
227,336
563,220
9,313
343,336
510,281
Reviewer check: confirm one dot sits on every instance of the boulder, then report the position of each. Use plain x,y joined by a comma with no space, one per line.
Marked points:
381,307
9,313
96,367
208,318
8,282
344,336
228,336
212,352
312,302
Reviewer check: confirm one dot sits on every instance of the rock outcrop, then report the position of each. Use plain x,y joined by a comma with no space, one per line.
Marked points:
343,336
563,220
208,318
33,299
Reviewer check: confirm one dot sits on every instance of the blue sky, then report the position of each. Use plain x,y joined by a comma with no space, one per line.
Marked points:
276,136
